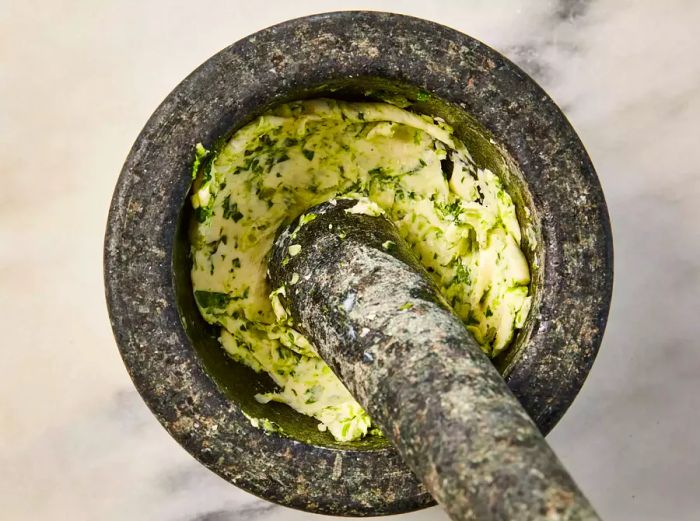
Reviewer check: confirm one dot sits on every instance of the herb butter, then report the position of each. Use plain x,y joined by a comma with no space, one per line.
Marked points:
458,219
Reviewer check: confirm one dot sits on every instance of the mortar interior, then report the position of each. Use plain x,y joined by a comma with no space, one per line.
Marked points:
240,383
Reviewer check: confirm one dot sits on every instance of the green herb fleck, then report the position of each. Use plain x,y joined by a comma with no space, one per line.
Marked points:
211,299
407,305
462,274
308,154
231,210
306,218
267,140
200,153
202,213
453,209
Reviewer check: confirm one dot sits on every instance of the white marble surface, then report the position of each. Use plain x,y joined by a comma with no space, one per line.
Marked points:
78,79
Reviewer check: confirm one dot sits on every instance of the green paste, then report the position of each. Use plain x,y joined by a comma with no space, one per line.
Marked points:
457,218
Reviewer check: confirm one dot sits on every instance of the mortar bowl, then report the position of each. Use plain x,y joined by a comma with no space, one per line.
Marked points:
509,124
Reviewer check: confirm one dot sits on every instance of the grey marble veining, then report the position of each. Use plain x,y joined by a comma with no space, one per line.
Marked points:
77,81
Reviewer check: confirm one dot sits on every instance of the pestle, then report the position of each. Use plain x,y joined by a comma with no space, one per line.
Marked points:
360,295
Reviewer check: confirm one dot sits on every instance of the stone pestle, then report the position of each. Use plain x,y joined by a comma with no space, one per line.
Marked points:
359,294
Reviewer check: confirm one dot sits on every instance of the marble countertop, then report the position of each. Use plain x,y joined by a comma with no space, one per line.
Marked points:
78,80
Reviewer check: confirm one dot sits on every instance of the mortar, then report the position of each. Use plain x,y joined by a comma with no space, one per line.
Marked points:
508,123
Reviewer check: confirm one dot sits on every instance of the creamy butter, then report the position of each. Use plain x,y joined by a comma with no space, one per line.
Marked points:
458,219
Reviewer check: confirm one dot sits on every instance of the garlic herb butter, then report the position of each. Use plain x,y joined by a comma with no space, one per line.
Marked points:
458,219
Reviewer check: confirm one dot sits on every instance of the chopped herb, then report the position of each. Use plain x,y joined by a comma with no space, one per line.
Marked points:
211,299
231,210
375,431
267,140
236,262
407,305
453,209
462,274
200,153
308,154
202,213
306,218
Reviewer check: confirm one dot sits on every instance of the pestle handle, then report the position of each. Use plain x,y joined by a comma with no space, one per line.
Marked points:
375,316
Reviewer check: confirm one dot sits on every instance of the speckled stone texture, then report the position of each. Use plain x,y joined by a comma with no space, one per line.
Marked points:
375,315
146,277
